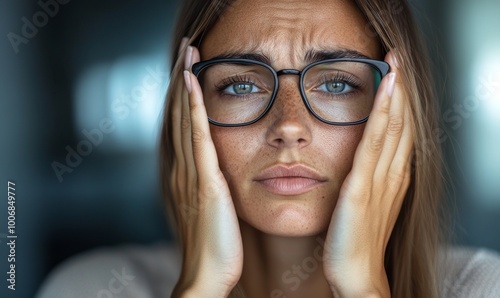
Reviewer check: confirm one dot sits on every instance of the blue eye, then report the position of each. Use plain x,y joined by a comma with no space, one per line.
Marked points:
241,89
335,87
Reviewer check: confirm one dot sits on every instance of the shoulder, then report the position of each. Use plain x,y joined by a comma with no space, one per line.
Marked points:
470,272
125,271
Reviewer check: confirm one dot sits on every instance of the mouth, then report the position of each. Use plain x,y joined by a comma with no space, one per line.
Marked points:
289,180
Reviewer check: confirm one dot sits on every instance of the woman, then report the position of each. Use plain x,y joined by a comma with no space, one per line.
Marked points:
252,203
278,229
290,189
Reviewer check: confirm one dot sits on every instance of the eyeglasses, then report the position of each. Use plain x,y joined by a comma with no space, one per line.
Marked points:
240,92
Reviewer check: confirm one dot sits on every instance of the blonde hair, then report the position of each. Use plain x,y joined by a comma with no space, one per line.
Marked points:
412,251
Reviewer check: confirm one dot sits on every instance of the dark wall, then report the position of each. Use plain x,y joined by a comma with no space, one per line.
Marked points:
463,37
110,194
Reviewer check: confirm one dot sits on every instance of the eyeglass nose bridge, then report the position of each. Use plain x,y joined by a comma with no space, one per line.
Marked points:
301,90
288,72
302,94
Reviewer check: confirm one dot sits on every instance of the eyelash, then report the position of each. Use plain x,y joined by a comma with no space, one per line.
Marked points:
343,78
231,81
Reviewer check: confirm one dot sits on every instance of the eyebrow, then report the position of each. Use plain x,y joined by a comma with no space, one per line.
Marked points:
242,55
315,55
310,57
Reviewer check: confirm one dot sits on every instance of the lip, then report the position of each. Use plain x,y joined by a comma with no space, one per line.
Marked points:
289,180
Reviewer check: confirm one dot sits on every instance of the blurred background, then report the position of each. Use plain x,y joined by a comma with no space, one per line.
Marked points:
81,89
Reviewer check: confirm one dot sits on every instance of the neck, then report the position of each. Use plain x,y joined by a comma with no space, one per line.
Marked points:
277,266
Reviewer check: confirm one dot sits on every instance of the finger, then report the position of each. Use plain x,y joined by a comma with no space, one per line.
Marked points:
401,193
407,139
177,132
205,156
371,144
396,125
401,132
400,168
177,109
190,173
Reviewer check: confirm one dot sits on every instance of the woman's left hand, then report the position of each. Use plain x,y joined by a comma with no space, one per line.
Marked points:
371,196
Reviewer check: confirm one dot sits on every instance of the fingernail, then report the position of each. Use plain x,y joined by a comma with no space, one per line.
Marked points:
391,84
189,57
187,80
184,42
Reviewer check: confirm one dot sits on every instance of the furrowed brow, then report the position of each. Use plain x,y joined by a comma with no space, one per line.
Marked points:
242,55
315,55
310,57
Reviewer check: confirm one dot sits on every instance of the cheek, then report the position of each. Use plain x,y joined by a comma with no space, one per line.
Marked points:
235,149
340,145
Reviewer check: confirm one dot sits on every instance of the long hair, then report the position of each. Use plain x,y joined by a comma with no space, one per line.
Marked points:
411,254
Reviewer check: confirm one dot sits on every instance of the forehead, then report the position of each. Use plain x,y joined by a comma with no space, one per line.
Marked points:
285,30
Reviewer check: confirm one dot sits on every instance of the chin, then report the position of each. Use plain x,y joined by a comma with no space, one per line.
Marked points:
288,219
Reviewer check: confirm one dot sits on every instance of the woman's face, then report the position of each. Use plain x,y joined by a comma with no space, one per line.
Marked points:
285,171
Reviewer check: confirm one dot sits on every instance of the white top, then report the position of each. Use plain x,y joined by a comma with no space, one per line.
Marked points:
152,271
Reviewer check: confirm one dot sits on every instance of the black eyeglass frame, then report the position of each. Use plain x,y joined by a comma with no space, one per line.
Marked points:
382,66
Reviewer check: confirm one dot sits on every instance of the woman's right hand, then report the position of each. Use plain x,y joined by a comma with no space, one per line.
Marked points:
212,246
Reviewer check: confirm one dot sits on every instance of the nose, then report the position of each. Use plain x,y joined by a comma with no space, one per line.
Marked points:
290,125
